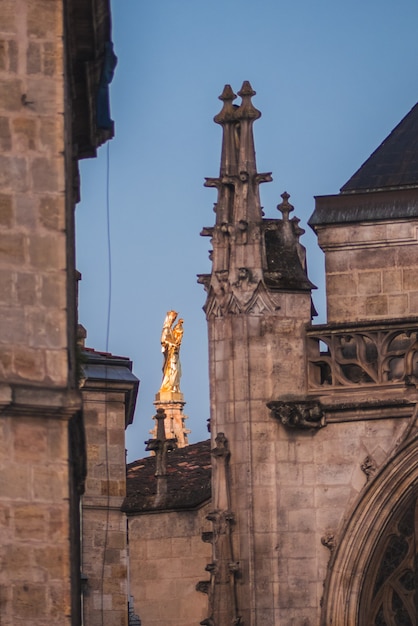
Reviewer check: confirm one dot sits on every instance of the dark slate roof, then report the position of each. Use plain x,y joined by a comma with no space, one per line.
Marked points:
284,268
105,367
189,480
365,207
394,163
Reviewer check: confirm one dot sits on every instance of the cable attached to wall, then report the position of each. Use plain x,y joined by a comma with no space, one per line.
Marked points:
109,308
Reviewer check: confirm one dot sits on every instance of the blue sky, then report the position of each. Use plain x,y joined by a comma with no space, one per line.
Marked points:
332,80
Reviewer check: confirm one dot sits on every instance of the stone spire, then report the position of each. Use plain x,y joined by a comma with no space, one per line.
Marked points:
246,247
161,445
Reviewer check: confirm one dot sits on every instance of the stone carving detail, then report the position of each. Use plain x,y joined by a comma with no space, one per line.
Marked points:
223,569
299,414
365,356
368,467
232,300
328,540
203,586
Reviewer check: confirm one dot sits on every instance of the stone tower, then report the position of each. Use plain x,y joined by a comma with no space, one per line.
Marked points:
314,503
258,305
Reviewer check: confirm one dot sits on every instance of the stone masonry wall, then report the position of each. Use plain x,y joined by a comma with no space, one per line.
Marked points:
33,281
34,522
104,528
370,270
167,559
246,374
34,485
320,480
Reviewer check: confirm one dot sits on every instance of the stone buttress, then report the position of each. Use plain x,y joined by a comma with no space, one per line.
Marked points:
258,305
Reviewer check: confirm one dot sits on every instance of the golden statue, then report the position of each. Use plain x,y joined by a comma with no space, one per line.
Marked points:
171,337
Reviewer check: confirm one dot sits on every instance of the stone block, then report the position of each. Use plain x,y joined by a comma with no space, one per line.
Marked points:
49,487
341,284
333,496
26,211
42,91
33,58
15,482
51,212
52,290
392,281
29,600
26,288
51,561
409,276
12,248
297,497
43,19
302,520
13,325
6,287
49,58
47,251
13,55
294,545
44,175
413,303
29,440
57,366
28,364
376,306
407,256
47,329
334,474
5,134
373,258
369,282
6,360
336,262
30,522
340,308
11,91
398,305
25,133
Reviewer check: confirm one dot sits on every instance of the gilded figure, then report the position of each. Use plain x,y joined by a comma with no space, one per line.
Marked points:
171,338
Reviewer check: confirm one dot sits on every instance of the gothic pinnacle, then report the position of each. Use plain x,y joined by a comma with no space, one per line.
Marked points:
228,110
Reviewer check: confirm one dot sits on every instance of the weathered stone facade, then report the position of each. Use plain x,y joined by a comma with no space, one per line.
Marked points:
47,122
109,394
309,540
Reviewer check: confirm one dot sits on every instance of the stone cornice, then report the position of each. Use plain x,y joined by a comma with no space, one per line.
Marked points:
31,401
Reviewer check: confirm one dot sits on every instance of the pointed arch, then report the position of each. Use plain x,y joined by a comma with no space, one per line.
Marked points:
384,501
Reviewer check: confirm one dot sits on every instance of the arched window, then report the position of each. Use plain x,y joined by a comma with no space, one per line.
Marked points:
389,595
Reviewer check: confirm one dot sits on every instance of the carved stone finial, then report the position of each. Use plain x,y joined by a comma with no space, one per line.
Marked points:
285,207
247,110
161,445
228,109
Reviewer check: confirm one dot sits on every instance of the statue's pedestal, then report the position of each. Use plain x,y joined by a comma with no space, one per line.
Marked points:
172,402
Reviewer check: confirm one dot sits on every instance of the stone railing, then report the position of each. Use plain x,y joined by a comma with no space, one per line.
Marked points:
342,356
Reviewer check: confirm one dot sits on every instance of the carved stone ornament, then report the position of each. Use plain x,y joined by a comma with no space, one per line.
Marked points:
299,414
328,541
368,467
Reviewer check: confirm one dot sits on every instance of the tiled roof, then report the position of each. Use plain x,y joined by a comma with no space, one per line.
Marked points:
188,477
394,163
